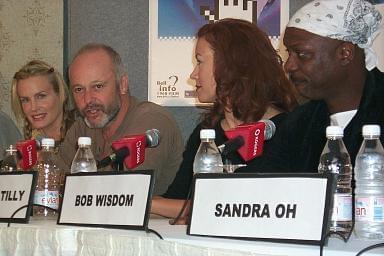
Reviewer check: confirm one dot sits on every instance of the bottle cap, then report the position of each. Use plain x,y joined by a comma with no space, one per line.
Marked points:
371,130
84,141
207,134
48,142
333,130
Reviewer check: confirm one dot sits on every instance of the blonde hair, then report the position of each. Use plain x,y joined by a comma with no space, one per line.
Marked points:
41,68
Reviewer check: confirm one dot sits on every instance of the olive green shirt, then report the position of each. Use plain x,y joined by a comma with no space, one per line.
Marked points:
141,116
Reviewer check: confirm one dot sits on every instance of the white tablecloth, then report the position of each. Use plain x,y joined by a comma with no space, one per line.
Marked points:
44,237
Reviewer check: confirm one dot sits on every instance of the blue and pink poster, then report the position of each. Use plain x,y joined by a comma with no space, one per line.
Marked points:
174,23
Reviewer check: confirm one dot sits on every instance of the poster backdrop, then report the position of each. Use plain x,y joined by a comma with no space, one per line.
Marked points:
173,25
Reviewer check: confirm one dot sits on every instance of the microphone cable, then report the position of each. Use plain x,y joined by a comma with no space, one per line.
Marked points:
343,236
27,205
149,230
346,238
175,220
371,247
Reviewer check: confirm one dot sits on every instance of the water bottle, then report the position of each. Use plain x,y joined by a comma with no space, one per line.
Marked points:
207,158
335,160
48,188
84,160
369,193
9,163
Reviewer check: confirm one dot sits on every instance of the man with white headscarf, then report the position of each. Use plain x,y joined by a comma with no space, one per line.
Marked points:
331,62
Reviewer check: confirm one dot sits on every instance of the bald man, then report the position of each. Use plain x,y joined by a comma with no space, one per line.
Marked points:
108,112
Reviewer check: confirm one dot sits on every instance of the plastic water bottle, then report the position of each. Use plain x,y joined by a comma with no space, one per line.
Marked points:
208,158
369,193
336,161
84,161
9,163
48,188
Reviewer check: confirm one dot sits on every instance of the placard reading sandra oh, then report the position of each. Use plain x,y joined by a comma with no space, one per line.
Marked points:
111,199
280,207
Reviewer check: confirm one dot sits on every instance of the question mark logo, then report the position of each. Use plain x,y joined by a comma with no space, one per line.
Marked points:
176,79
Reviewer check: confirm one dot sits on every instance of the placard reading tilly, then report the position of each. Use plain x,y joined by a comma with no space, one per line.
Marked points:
15,192
11,195
120,200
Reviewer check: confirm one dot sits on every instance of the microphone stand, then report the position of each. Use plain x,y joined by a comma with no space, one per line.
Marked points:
117,165
188,198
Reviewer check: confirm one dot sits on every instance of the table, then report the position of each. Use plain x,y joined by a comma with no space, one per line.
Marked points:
44,237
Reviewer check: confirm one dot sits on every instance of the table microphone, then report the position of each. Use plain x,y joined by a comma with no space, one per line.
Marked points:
130,147
27,152
248,139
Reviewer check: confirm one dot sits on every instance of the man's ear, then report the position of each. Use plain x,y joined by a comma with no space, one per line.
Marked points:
124,84
346,53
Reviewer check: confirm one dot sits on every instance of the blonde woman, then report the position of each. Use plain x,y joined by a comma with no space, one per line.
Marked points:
40,98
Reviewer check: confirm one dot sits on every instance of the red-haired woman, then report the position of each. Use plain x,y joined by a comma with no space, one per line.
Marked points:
239,71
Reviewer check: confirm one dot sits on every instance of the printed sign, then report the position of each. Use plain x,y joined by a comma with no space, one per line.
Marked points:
16,192
283,207
110,199
172,28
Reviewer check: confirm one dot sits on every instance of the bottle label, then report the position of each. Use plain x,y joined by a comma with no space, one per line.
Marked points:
369,209
342,207
47,198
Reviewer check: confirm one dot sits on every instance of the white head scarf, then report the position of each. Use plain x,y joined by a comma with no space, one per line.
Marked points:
355,21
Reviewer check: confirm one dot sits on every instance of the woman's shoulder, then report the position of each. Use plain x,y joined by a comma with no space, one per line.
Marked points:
196,131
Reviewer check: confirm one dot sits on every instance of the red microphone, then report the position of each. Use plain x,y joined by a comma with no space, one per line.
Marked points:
132,148
248,139
27,151
136,149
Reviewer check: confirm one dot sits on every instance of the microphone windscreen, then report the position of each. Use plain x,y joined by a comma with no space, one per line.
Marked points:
270,129
38,139
152,138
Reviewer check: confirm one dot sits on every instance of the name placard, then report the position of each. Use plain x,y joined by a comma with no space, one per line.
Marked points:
107,199
277,207
16,191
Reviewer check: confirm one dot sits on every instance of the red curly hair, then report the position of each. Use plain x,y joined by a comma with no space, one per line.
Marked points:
248,72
